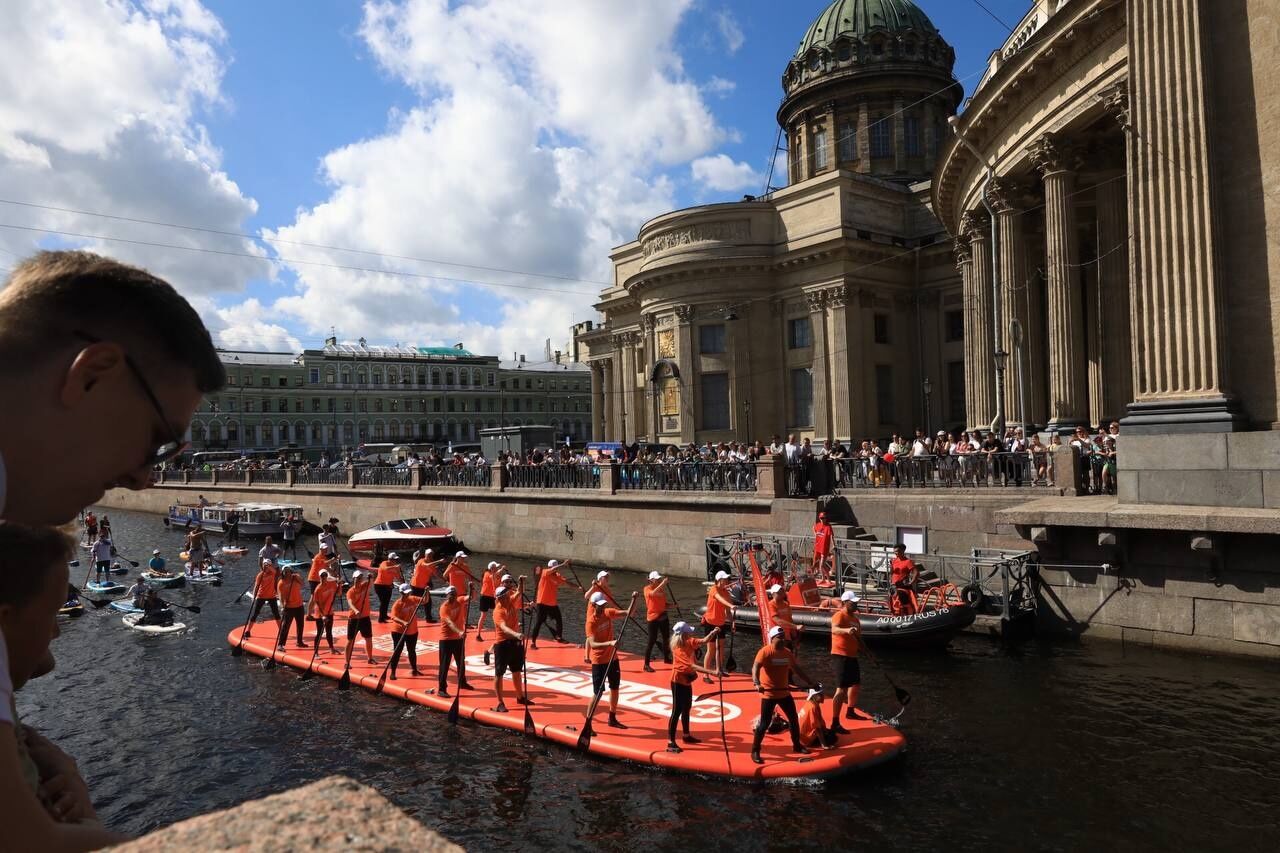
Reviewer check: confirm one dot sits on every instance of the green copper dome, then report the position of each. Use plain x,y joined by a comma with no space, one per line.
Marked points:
859,18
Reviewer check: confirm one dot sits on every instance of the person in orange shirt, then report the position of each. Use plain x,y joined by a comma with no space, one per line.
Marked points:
813,728
358,621
602,650
905,573
389,576
823,542
508,653
404,630
320,608
684,671
320,563
264,592
719,606
780,611
655,606
289,593
424,569
488,583
771,673
600,584
846,637
548,600
453,638
458,574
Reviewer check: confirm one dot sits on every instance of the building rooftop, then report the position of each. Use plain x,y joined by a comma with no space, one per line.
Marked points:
565,366
253,358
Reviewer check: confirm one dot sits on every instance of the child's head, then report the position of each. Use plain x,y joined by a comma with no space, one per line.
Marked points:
33,563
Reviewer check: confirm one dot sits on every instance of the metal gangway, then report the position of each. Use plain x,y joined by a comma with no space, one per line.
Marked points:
998,581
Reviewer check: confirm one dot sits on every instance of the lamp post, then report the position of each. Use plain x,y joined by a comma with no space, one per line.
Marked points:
1001,359
928,393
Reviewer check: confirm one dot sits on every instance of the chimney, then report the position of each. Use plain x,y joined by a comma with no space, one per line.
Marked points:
557,356
331,341
522,358
363,344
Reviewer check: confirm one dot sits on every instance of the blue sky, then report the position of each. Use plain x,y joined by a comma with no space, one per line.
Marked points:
526,136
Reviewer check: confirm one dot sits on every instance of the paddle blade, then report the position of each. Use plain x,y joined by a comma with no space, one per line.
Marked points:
236,650
344,683
584,739
381,681
269,663
904,698
453,710
528,722
306,675
731,663
97,605
194,608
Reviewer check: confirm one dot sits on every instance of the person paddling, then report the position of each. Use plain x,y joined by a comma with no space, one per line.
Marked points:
320,608
714,617
404,630
358,621
424,569
389,576
458,574
138,592
846,637
600,643
264,592
154,611
655,606
814,732
771,672
684,671
197,550
508,653
601,585
548,600
488,583
780,611
289,594
156,565
321,563
269,551
453,632
101,552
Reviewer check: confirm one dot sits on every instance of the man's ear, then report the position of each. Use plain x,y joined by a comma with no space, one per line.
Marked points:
90,366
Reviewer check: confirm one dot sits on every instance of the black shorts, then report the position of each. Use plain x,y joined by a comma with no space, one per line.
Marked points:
708,627
362,626
486,603
601,671
847,671
508,655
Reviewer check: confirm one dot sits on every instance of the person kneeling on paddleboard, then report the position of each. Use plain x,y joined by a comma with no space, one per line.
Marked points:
155,611
772,673
156,565
138,592
813,728
358,621
684,671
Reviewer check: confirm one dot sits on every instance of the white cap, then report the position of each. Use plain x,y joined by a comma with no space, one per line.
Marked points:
775,589
493,565
506,578
323,573
449,590
552,564
683,628
500,591
599,598
156,551
601,575
849,595
815,691
405,588
460,554
722,575
654,576
417,555
393,556
775,631
427,552
357,575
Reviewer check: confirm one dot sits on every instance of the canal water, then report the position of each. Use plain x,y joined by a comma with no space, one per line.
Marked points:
1051,746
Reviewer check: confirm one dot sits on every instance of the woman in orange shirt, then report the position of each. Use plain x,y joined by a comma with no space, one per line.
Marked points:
508,652
488,583
404,630
780,610
771,672
453,633
655,607
719,605
358,618
320,562
289,591
389,575
323,599
684,671
424,568
548,600
264,592
601,646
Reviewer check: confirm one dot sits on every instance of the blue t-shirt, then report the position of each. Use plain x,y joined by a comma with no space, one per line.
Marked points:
156,564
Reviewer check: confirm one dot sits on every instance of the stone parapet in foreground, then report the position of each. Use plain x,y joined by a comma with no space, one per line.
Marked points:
288,822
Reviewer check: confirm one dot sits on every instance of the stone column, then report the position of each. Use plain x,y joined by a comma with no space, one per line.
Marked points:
982,345
1113,283
684,359
930,132
841,411
864,137
648,393
610,392
1068,388
597,401
821,396
899,136
1014,285
964,263
626,386
1178,348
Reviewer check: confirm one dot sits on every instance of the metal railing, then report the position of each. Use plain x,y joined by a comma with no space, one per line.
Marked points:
554,476
319,477
377,475
973,470
456,475
200,476
269,475
688,476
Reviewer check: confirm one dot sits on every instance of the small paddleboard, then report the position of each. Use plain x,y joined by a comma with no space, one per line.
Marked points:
133,620
164,581
234,550
72,610
119,570
108,588
215,580
123,606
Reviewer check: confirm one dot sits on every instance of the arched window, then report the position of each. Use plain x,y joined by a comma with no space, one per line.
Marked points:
393,376
330,376
377,377
848,143
300,432
881,133
462,377
911,134
348,432
362,430
422,376
395,429
317,432
820,148
475,377
362,377
448,377
346,376
435,377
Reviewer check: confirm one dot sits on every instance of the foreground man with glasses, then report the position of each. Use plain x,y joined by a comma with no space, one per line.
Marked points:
101,367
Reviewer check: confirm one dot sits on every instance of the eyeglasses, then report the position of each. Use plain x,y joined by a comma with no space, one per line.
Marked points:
167,450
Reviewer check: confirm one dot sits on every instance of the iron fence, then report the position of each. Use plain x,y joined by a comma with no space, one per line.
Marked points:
688,476
379,475
968,470
456,475
269,475
320,477
553,476
200,476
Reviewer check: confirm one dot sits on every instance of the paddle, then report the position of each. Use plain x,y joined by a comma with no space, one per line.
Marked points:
744,690
404,636
194,608
238,648
242,595
730,662
524,665
904,698
133,563
270,662
453,709
319,620
584,739
672,596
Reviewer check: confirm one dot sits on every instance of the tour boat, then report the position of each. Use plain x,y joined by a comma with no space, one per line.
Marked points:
403,536
559,683
932,626
256,519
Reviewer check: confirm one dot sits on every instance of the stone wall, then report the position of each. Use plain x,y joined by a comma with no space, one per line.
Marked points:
1208,469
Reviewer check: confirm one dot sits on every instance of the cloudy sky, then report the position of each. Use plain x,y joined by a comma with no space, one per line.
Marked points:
414,171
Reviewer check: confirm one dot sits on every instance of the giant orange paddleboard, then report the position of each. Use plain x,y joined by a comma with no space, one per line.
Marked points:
559,682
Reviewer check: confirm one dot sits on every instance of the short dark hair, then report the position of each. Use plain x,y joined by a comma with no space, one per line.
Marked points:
26,555
52,294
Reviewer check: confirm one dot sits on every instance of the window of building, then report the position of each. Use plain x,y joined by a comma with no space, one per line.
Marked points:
539,384
377,405
955,391
884,393
393,376
802,396
282,405
451,404
515,405
266,382
248,405
364,405
844,52
346,405
282,381
848,143
714,399
332,405
881,322
435,404
820,148
314,375
248,377
395,405
954,326
491,378
315,404
435,377
297,405
346,377
330,376
233,431
911,132
711,338
799,333
463,378
881,137
362,378
448,377
377,377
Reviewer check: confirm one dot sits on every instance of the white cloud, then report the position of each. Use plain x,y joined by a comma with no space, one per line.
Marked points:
719,87
722,173
730,31
248,326
541,139
98,112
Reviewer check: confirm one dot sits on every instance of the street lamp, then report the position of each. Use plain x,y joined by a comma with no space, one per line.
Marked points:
928,393
1002,360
